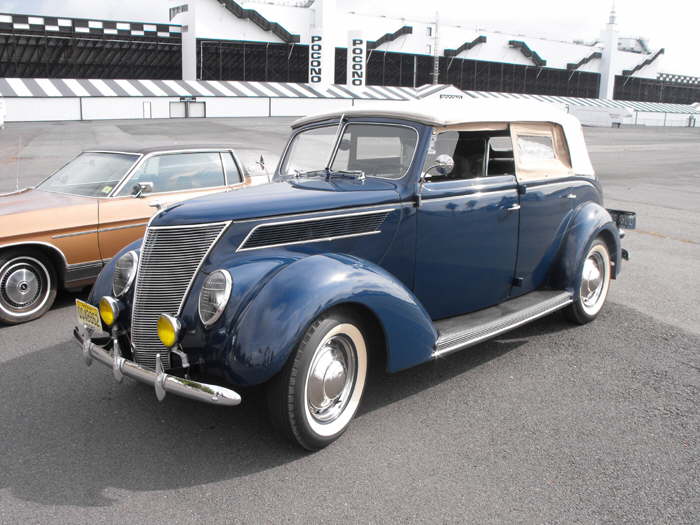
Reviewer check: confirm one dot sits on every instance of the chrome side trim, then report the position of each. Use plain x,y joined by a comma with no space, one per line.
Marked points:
82,271
378,207
501,328
161,382
73,234
115,228
176,226
299,221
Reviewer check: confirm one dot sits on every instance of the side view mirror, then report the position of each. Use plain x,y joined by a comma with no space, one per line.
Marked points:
140,188
443,165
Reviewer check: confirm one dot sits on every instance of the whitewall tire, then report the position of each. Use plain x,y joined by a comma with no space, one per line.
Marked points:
594,284
314,398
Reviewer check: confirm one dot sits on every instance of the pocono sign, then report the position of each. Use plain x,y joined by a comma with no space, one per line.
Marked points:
357,51
316,60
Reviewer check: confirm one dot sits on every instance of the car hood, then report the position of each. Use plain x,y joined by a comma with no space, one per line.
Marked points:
33,211
280,198
31,199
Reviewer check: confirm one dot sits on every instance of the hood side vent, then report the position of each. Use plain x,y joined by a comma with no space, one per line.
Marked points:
314,230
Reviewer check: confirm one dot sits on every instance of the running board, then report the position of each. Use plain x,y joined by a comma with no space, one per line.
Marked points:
456,333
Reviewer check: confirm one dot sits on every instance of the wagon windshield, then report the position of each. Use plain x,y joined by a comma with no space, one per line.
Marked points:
374,150
91,174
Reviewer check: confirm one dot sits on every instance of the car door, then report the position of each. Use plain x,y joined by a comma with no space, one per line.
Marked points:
467,226
544,173
170,178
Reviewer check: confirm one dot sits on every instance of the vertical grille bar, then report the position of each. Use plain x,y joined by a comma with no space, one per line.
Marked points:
170,257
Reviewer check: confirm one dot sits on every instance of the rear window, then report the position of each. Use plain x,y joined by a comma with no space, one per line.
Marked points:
535,147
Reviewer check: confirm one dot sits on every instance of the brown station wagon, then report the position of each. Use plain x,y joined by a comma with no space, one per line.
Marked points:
62,232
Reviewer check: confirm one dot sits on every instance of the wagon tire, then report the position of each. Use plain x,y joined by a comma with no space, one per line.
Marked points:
594,278
315,396
28,285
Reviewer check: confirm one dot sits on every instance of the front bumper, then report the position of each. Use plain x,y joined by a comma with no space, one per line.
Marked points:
161,382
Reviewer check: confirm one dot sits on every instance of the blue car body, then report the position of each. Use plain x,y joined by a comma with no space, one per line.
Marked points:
442,249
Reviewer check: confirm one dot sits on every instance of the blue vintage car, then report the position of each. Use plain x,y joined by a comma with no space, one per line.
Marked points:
394,235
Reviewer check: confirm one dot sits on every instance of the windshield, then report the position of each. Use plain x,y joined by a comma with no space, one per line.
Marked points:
376,150
90,174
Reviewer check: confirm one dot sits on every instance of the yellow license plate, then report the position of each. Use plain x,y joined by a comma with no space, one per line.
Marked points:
88,315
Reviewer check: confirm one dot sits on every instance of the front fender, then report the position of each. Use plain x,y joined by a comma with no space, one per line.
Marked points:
590,221
103,284
274,321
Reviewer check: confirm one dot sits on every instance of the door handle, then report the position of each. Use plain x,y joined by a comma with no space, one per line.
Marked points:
569,196
514,207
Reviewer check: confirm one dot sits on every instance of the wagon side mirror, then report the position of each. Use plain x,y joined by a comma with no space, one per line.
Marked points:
443,165
141,188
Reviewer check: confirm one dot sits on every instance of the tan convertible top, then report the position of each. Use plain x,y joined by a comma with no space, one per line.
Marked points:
450,113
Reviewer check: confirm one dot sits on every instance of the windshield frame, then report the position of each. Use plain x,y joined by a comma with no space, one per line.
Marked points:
342,125
127,173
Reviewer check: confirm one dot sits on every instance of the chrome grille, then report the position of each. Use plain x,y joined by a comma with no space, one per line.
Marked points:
170,257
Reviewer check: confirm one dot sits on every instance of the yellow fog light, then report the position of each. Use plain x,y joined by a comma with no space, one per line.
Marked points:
109,310
168,330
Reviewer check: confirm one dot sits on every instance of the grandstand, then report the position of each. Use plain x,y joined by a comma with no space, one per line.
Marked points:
226,40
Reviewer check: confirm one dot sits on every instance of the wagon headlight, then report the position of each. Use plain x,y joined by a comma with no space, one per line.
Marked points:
214,296
124,273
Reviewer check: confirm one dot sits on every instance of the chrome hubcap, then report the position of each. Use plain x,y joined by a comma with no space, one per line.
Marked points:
21,285
331,378
593,279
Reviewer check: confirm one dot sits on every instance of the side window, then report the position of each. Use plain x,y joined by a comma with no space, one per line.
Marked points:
233,176
475,153
179,171
501,160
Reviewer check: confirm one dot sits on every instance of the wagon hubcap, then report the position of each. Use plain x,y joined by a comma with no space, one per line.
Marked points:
593,279
331,378
21,285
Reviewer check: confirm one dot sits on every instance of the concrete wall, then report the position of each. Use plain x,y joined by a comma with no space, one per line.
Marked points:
237,107
41,109
99,108
292,107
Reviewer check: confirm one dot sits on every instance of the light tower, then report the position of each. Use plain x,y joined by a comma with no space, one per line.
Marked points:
607,72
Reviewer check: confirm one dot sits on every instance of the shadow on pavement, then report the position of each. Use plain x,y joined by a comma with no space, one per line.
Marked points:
74,433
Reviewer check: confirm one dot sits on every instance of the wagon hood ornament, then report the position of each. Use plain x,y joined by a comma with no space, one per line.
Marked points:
282,198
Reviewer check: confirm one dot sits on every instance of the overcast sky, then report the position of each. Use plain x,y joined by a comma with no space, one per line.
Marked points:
672,24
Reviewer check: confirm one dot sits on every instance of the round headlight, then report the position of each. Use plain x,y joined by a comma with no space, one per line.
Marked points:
124,273
214,296
168,330
109,310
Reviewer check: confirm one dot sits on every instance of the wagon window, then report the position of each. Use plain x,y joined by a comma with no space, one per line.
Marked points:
178,171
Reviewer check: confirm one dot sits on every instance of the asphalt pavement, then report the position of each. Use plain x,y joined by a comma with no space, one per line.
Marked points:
550,423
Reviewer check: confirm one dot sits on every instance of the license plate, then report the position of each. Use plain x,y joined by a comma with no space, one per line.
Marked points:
88,315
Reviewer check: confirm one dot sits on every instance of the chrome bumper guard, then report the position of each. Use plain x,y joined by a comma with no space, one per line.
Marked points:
161,382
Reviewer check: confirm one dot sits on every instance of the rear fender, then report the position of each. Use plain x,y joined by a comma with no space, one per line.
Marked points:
590,221
273,322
